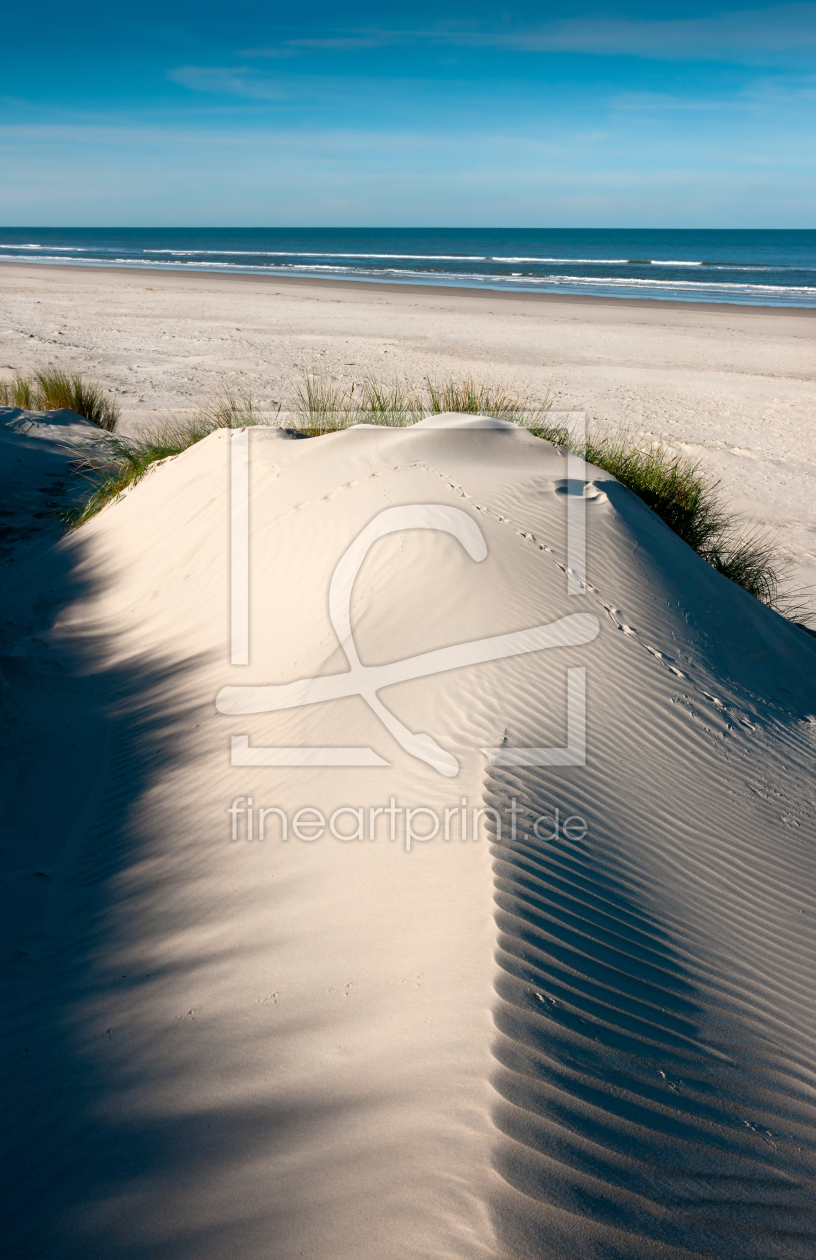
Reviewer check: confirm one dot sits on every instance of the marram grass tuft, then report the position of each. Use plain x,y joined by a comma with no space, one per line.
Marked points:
126,460
52,389
676,488
680,492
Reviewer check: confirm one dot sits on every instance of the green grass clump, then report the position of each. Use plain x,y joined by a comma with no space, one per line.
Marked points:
393,404
52,389
749,557
675,487
124,461
322,407
680,492
17,392
473,399
228,410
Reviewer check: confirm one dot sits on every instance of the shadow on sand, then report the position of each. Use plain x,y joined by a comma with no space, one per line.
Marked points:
83,743
626,1132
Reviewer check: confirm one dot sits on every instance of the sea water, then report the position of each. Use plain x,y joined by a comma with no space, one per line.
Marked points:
768,268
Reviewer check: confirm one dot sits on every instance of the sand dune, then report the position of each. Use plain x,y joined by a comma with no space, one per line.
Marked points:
592,1041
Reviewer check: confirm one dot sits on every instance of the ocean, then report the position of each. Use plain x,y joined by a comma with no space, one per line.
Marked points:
768,268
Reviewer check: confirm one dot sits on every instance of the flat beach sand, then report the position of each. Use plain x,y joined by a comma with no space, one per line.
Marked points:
732,385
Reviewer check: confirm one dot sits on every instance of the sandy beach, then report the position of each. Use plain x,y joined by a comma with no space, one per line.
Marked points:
734,386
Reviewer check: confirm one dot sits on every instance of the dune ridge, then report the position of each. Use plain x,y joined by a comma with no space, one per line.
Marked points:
502,1046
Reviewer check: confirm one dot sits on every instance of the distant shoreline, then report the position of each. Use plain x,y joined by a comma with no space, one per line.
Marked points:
373,287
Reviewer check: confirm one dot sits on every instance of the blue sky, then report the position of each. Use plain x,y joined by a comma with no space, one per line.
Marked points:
429,114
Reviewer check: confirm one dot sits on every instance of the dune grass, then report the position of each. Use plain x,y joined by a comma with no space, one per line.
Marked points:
474,399
124,461
320,406
675,487
52,389
17,391
680,492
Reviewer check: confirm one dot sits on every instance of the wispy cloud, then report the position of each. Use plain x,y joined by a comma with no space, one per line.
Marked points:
358,41
346,43
640,102
227,81
786,92
267,52
753,36
136,174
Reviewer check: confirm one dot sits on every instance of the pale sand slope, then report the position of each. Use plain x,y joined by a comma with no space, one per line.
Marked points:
734,385
38,477
332,1049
